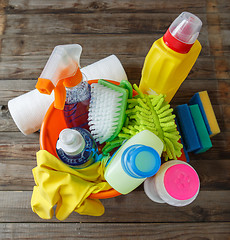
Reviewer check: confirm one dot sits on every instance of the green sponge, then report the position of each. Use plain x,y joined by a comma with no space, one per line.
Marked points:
153,113
201,129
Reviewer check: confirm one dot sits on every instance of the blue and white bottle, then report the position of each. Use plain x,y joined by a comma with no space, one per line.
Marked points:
76,147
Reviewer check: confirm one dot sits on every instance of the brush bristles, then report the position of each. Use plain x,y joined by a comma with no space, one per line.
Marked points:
104,112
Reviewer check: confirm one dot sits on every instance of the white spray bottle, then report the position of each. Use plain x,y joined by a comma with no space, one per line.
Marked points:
62,74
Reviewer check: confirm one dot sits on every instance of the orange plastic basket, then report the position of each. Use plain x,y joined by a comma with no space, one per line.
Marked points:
52,125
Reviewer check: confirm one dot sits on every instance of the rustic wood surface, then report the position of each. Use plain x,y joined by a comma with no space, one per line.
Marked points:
30,29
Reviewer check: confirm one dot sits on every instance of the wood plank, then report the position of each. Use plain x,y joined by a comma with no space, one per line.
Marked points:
129,44
218,90
10,89
17,175
213,174
29,29
225,41
7,124
212,16
208,207
15,143
218,6
97,23
115,231
219,150
6,121
16,169
39,6
30,67
191,86
2,20
222,64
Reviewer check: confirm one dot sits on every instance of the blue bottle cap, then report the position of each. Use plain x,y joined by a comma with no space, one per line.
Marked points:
140,161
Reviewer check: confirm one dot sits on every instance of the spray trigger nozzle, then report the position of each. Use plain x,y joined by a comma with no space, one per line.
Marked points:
61,70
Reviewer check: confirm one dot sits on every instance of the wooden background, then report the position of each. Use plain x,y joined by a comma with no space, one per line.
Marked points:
29,30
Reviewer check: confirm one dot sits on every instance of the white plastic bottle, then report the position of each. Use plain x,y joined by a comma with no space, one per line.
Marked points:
137,159
76,147
176,183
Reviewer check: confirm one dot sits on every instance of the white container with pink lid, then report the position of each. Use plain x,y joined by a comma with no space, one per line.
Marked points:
176,183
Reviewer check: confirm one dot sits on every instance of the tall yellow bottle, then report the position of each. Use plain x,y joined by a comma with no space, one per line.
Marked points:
171,57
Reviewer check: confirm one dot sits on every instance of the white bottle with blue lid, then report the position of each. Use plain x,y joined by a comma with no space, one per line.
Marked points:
137,159
76,147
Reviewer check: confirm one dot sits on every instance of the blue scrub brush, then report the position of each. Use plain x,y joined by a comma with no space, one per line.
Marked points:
107,109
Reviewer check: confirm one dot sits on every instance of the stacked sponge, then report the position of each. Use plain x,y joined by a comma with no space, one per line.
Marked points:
196,123
203,100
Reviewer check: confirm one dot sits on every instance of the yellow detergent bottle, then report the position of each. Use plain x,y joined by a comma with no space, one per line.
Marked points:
171,57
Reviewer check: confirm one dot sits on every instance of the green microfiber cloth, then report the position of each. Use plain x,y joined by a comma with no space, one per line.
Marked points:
150,112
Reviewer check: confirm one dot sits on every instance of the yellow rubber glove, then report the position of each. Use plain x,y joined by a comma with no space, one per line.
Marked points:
69,189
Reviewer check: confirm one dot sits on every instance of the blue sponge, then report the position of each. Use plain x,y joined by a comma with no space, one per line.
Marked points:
187,127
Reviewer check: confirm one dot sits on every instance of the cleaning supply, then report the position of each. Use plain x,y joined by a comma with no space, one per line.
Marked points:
187,127
28,110
171,58
153,113
76,147
176,183
200,128
72,93
49,135
107,109
69,189
203,100
137,159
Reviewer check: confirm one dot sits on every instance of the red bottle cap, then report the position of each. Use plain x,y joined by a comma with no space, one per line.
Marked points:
183,32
